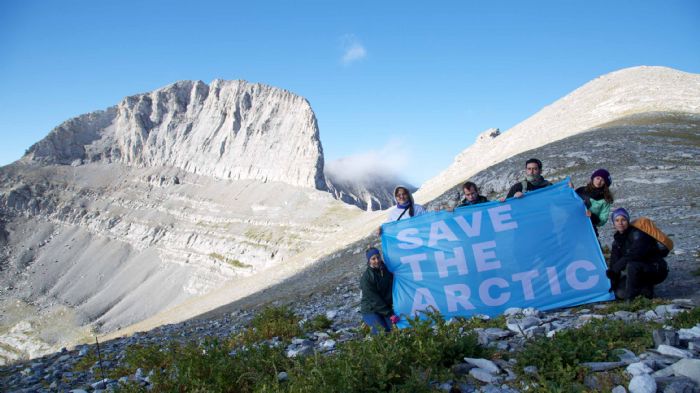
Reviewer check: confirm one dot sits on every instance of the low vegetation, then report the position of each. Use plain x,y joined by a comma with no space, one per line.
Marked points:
405,360
558,359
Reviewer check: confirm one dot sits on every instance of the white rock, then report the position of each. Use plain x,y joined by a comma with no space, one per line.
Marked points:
619,389
482,375
639,368
519,325
484,364
643,383
531,312
689,368
512,311
673,351
330,314
328,345
688,334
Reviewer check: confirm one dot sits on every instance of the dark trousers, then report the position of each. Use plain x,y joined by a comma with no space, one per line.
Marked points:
377,322
641,278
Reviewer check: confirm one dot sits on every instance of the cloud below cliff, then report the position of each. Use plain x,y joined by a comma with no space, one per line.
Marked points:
389,162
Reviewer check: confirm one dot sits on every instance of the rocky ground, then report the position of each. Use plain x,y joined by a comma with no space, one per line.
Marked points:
673,365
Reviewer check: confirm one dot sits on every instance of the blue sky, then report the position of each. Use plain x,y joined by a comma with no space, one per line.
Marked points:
403,86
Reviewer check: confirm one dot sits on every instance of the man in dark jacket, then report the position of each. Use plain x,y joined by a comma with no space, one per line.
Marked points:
637,253
533,180
376,284
471,195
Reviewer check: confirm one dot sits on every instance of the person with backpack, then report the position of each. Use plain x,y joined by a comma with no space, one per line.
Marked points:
471,195
376,283
405,207
533,180
639,256
597,197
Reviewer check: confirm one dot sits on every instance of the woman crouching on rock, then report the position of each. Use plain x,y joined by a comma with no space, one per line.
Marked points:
597,197
376,284
639,255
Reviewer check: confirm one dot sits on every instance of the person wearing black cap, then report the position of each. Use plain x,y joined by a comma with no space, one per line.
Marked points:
376,283
533,180
597,197
639,255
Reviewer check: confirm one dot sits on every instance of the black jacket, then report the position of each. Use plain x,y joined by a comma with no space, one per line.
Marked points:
479,199
518,187
376,285
633,245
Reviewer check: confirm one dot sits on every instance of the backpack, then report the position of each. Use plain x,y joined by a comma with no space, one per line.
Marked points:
648,226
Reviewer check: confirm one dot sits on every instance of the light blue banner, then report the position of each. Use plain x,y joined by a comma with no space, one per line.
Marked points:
537,251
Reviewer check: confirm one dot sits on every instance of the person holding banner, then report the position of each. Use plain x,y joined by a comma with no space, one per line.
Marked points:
533,180
405,207
471,195
376,283
638,254
597,197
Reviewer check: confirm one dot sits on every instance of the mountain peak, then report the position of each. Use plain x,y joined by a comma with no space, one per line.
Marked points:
229,130
619,94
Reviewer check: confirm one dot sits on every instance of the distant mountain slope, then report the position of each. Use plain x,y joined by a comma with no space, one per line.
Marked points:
613,96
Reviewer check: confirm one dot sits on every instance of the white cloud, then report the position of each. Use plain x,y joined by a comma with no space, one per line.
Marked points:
388,162
353,50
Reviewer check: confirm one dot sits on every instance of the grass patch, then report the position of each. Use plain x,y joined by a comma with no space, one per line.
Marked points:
558,358
686,319
232,262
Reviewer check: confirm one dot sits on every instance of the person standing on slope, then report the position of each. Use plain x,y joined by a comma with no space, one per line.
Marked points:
533,180
376,283
405,207
597,197
471,195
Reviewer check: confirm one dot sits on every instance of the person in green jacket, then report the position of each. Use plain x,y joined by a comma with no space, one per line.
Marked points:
597,197
376,284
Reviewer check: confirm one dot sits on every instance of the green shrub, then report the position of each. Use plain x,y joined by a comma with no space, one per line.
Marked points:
639,303
686,319
558,358
405,360
319,322
402,360
272,322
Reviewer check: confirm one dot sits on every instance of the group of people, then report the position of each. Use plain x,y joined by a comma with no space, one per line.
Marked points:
636,261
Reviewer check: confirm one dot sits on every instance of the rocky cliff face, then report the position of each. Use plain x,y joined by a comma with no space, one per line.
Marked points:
229,130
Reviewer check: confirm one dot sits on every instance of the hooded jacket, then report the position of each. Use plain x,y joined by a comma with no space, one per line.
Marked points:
376,285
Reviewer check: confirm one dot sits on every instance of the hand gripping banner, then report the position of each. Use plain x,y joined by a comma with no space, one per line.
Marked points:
537,251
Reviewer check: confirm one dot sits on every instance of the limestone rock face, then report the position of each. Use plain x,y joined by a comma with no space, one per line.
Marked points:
229,130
